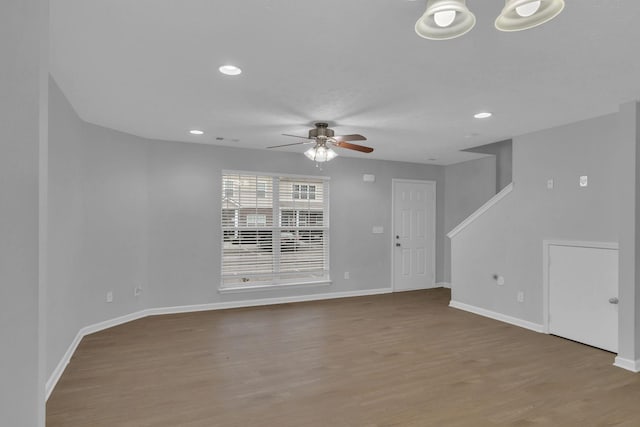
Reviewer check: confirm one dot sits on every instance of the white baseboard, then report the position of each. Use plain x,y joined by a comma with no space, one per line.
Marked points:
628,364
497,316
263,301
444,285
110,323
62,365
87,330
96,327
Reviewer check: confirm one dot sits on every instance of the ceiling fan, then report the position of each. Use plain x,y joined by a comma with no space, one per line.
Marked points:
324,138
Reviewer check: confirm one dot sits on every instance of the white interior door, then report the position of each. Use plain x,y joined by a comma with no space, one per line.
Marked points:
414,218
583,292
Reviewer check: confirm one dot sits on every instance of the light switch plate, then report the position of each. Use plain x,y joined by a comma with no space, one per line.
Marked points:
584,181
549,184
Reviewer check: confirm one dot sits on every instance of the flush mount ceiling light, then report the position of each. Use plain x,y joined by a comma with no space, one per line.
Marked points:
520,15
196,132
483,115
230,70
445,19
320,153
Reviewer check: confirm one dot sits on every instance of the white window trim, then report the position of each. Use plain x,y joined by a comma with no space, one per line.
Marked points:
288,175
258,288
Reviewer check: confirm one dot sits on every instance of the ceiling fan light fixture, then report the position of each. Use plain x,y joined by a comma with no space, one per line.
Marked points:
518,15
528,9
320,154
445,19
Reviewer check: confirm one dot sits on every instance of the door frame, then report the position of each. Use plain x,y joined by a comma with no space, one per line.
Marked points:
393,225
546,254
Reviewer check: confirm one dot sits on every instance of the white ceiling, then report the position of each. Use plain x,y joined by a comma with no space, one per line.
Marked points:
149,67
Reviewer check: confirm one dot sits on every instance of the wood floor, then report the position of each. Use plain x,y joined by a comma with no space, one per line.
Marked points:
391,360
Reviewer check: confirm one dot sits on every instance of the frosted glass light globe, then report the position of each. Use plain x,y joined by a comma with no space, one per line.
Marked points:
444,18
320,154
528,9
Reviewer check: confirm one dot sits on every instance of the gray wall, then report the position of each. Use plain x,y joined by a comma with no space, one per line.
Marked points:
503,152
629,238
468,185
23,30
507,239
66,217
126,212
98,225
185,186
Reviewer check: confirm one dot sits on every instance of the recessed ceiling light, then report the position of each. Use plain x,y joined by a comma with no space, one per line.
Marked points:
483,115
196,132
230,70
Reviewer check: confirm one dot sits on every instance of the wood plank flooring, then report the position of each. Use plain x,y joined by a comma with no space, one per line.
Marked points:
392,360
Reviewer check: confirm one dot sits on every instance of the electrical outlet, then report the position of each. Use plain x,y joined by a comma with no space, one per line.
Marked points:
584,181
549,184
137,291
520,296
110,296
346,275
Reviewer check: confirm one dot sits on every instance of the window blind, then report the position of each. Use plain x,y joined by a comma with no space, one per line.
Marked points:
275,230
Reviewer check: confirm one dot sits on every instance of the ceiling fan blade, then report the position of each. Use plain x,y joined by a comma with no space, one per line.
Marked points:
354,137
295,143
295,136
355,147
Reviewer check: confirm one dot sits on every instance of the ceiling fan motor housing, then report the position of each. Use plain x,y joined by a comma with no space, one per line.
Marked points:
321,131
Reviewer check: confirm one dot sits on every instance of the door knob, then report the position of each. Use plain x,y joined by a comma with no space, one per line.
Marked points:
397,245
613,300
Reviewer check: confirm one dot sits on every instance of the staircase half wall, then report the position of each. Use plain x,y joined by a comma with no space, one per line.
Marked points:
497,253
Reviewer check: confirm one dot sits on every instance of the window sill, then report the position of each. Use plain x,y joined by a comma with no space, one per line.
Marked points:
258,288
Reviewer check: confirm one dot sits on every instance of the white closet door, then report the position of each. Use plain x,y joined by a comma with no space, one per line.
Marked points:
583,292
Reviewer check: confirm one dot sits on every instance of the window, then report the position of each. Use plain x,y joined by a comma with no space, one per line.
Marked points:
274,229
228,188
261,190
304,191
256,220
